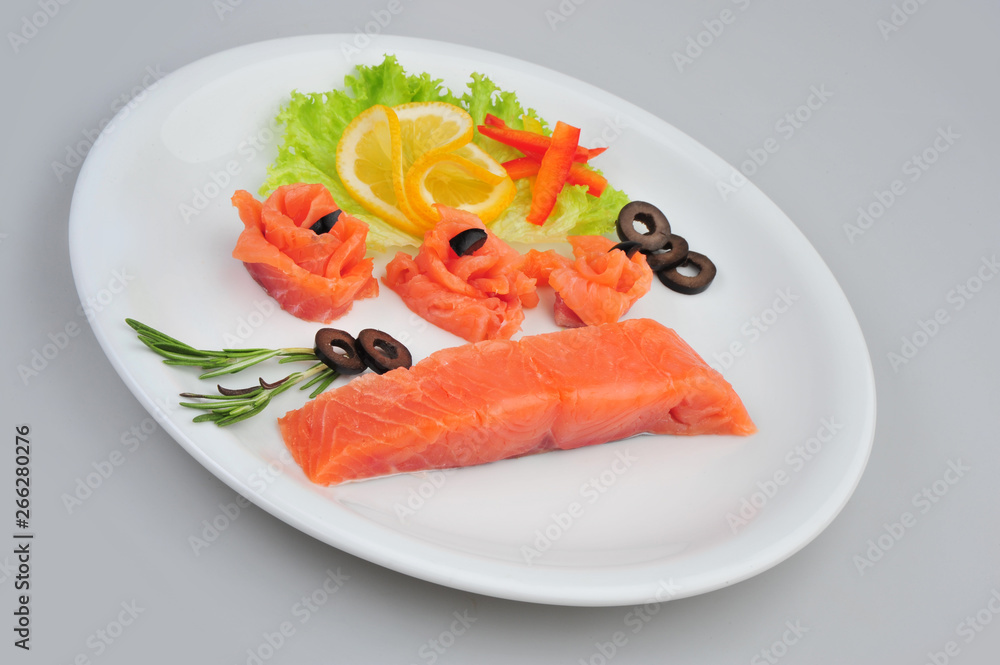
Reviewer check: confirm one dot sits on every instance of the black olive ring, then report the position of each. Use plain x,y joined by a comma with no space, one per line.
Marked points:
381,351
657,226
689,285
677,251
325,223
468,241
629,247
328,340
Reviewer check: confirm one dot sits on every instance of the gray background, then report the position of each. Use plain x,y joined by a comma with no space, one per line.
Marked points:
891,93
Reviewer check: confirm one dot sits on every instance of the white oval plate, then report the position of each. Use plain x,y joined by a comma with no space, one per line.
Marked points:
650,518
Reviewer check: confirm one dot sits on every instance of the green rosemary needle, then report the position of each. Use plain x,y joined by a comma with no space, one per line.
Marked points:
226,361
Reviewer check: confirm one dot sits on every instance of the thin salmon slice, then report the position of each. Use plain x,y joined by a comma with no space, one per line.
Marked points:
497,399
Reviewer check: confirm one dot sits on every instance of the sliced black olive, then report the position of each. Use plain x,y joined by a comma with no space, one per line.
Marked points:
676,250
346,360
648,215
325,223
689,285
628,247
381,351
468,241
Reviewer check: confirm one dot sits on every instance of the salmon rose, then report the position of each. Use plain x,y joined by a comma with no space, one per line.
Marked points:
314,276
478,296
600,286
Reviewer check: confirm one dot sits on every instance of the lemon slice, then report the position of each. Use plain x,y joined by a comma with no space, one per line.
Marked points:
381,144
369,163
427,128
430,127
466,178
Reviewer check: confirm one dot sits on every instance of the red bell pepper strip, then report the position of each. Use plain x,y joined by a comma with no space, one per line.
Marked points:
494,121
530,143
581,175
553,171
524,167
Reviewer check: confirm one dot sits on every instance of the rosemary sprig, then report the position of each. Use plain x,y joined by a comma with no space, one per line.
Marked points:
233,405
226,361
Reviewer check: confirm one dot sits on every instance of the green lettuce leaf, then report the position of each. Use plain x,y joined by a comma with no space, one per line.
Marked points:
485,97
315,122
576,213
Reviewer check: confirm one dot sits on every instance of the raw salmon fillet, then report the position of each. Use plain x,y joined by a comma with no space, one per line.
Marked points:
497,399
